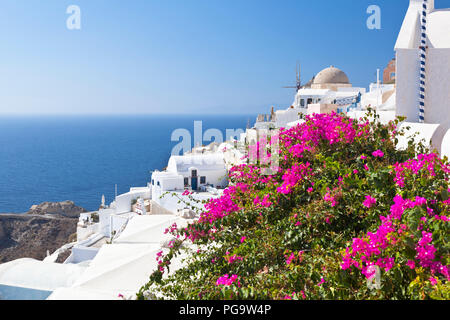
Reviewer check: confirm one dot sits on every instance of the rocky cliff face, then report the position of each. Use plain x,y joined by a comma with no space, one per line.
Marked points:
65,209
47,226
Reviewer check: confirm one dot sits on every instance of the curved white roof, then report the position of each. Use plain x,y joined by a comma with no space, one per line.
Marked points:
438,28
39,275
120,268
438,24
205,162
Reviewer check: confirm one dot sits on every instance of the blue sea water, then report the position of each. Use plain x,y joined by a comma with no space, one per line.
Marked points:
79,158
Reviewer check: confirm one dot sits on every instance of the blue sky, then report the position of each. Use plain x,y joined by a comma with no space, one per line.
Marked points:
178,56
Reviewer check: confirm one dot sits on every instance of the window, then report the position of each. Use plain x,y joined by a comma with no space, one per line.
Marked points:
202,180
302,102
194,173
186,182
153,182
309,101
157,183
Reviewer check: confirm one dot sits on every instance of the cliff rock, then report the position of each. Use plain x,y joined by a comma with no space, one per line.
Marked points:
66,209
47,226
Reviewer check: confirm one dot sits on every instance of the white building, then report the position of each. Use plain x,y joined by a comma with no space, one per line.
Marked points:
329,91
423,71
380,97
192,171
424,43
203,171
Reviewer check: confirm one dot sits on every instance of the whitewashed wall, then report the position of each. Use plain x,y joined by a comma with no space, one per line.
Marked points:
123,201
117,221
170,202
81,253
437,96
425,132
166,183
283,117
86,232
104,221
407,78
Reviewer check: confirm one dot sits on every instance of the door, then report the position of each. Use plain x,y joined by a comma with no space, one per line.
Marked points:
194,183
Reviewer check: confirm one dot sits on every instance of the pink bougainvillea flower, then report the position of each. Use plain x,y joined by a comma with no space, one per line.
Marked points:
411,264
290,258
321,282
329,198
233,258
294,175
226,280
369,202
378,153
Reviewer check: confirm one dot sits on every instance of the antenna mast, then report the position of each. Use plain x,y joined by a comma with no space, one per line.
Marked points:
298,82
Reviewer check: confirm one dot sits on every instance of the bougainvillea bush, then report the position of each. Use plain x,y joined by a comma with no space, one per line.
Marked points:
347,216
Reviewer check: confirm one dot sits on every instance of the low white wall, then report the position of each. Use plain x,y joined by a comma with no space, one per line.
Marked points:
81,253
283,117
86,232
117,221
372,98
104,221
425,132
385,116
157,209
170,202
123,201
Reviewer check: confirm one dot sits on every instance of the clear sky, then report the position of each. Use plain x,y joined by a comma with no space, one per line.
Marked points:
180,56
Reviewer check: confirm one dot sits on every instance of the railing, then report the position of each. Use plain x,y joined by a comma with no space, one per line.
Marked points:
423,59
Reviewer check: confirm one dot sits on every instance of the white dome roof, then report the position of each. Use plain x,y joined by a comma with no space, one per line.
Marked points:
331,75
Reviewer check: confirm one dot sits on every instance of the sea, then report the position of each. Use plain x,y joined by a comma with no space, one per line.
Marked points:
81,158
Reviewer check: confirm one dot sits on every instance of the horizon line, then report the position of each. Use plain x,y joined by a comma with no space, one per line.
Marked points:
128,114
